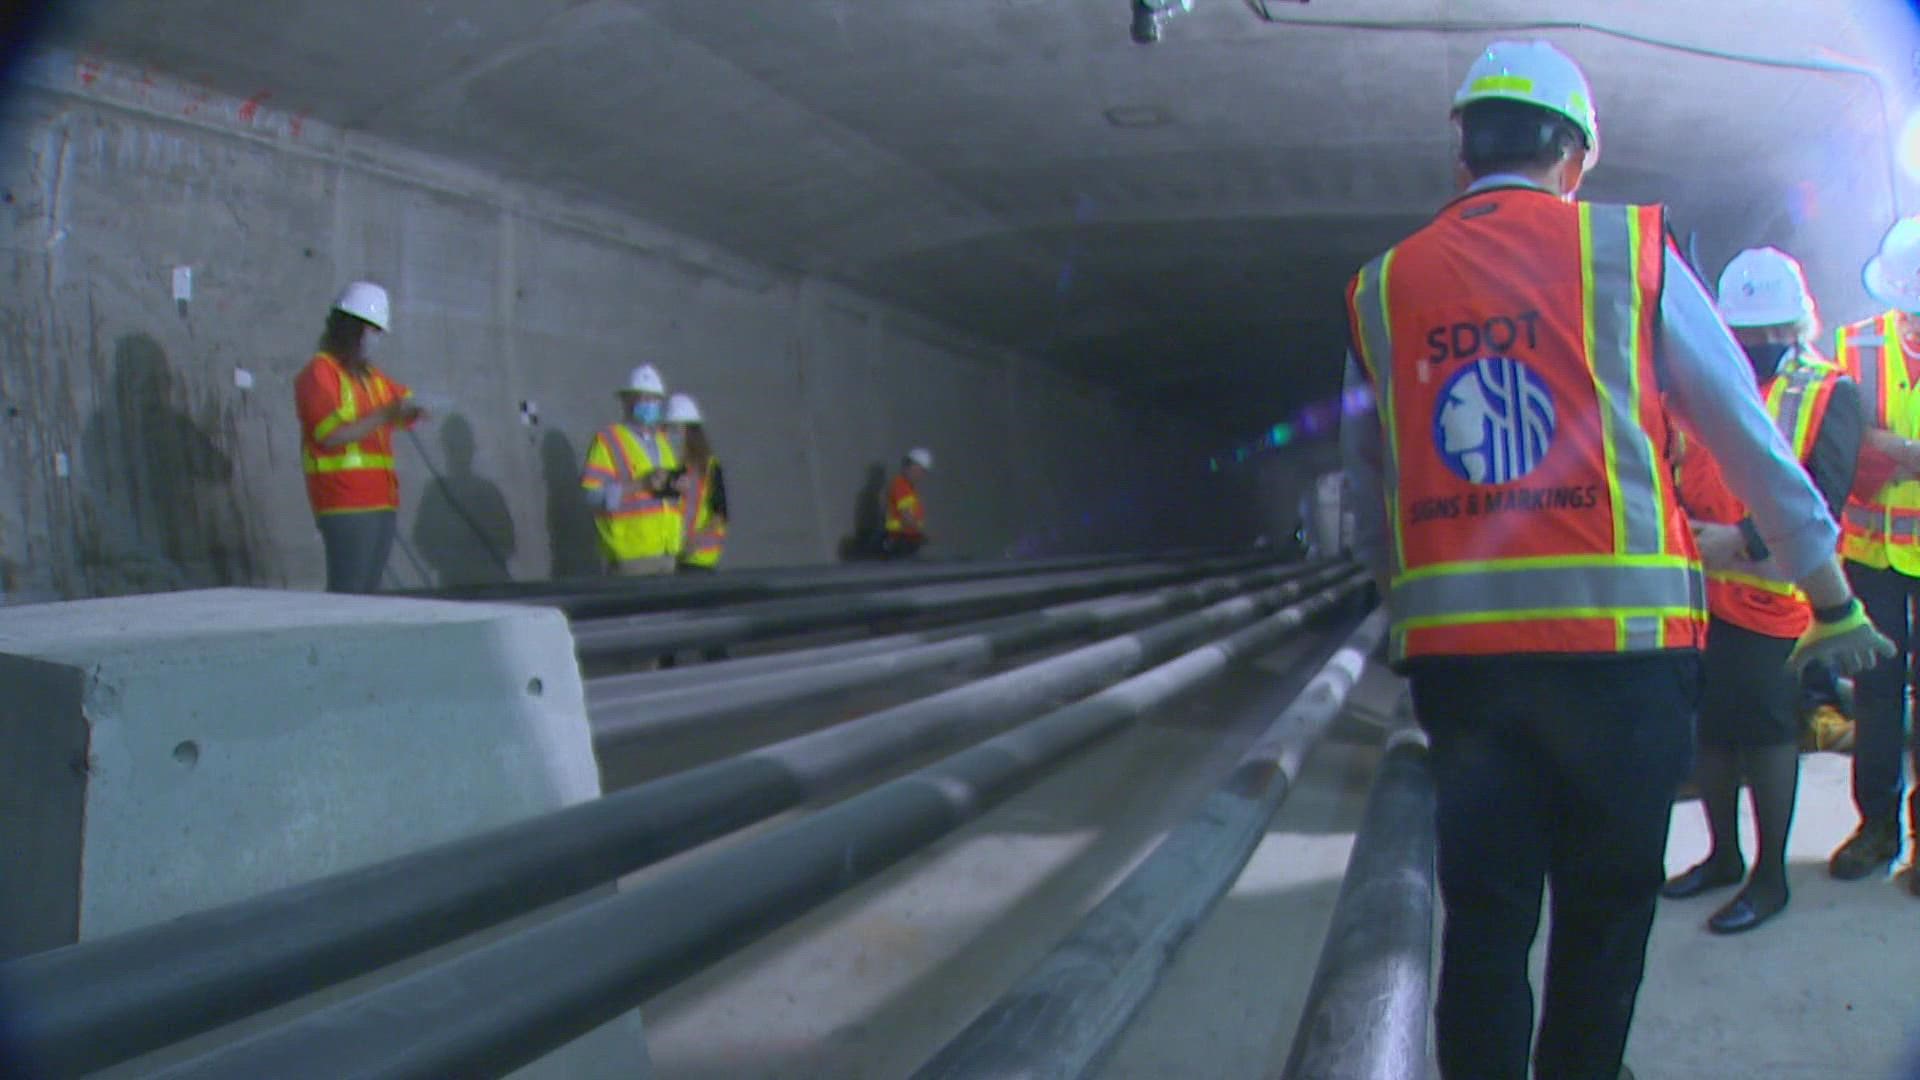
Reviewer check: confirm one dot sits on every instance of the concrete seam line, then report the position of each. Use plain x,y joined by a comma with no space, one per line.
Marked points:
1064,1015
1366,1010
108,1000
490,1010
621,719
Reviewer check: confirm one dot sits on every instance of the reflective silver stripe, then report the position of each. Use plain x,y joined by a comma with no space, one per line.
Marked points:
1376,339
1786,412
1903,525
1643,632
1578,590
1870,362
1376,342
1616,345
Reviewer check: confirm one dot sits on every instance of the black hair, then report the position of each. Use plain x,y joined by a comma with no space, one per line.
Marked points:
341,338
1498,135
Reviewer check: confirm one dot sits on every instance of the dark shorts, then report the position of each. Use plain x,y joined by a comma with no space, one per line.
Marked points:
1747,695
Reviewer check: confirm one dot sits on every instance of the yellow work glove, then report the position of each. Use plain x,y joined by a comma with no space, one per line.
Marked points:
1846,645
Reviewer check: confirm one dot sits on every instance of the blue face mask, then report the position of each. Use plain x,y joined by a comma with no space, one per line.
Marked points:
647,412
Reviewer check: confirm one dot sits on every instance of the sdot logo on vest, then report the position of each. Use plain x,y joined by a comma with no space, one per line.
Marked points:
1494,421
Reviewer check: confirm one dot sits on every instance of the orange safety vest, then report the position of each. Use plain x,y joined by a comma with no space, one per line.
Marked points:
1510,348
643,525
1884,530
705,535
1797,399
904,514
356,476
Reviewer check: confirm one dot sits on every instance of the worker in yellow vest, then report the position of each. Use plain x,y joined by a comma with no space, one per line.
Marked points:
629,482
1880,541
702,487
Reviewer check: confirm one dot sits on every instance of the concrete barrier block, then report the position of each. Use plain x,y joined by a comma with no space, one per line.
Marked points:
162,754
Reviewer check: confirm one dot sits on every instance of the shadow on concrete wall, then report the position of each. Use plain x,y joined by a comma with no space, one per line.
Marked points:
158,508
464,530
869,520
570,533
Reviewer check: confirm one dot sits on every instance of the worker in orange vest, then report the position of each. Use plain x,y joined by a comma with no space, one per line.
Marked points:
1514,500
1749,722
348,409
628,481
1881,545
906,515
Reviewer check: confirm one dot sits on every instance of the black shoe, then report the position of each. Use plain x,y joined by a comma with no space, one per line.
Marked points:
1703,877
1871,848
1746,912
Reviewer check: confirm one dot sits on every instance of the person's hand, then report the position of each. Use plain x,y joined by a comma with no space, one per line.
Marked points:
1847,647
1721,546
400,411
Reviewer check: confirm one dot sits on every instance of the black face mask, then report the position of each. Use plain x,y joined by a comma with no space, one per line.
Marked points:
1766,358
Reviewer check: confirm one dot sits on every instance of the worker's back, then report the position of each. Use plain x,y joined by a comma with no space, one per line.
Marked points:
1510,343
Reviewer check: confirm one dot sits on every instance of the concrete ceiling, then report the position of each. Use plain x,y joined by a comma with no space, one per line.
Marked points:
1176,220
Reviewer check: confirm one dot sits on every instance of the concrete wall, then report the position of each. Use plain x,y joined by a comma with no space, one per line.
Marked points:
136,461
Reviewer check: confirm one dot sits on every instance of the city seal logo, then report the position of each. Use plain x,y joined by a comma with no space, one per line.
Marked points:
1494,422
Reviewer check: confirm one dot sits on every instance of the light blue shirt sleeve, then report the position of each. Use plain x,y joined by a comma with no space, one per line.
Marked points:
1710,384
1361,455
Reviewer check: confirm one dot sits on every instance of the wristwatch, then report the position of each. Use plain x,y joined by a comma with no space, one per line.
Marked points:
1836,613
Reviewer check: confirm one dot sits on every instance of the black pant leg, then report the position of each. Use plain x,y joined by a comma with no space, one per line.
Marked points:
1491,816
1880,694
1620,738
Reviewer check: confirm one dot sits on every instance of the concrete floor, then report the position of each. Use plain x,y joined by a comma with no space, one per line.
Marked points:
1829,989
870,985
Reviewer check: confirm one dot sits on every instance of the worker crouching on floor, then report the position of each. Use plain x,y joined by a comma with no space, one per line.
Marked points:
628,482
348,409
906,515
1513,496
1882,549
1749,705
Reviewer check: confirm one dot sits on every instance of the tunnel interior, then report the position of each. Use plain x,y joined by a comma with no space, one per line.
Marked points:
1106,278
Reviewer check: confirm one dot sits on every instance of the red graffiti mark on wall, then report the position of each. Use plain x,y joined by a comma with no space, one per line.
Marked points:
299,121
251,107
89,70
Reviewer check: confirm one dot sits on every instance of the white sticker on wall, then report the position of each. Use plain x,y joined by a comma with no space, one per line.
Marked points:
243,378
182,284
61,468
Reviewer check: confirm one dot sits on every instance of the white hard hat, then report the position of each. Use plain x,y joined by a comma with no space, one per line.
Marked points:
366,301
682,409
1536,73
922,457
1764,287
1893,276
645,379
